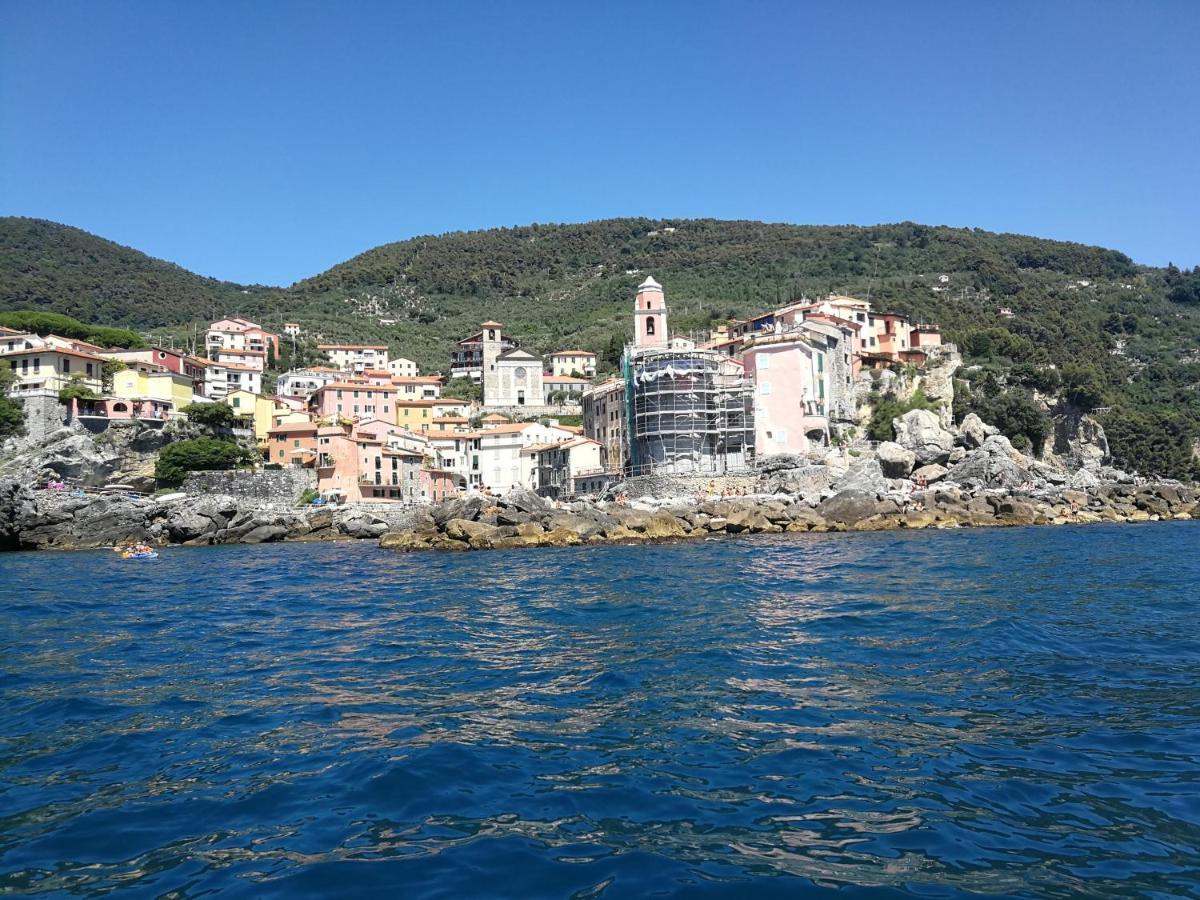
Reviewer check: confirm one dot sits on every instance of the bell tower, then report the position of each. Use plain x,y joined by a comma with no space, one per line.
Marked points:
649,316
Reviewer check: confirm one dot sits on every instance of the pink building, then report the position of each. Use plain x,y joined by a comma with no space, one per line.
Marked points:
791,386
351,400
374,461
240,334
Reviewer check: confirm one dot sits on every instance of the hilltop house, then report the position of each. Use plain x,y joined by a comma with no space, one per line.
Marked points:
240,334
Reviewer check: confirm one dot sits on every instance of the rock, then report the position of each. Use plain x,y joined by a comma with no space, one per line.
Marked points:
467,507
920,431
930,473
478,534
664,525
974,431
848,507
264,533
405,540
864,476
524,500
805,481
780,461
559,537
751,520
1083,480
894,460
994,465
511,517
363,526
583,526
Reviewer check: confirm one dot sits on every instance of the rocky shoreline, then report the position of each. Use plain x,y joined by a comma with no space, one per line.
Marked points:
928,477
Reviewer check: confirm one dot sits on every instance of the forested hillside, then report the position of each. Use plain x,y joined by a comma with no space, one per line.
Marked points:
1086,323
55,268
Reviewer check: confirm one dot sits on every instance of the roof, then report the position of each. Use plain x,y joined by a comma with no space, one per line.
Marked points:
294,428
512,428
416,403
564,379
440,435
226,350
451,419
61,350
490,324
416,379
649,284
239,367
351,346
573,353
354,386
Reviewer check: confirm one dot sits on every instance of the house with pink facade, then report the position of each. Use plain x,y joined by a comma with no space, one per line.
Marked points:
790,392
239,334
354,400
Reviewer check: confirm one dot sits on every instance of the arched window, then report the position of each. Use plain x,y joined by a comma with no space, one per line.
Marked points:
120,407
649,324
491,334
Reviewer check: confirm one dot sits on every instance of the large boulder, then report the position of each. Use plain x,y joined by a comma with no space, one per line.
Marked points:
974,431
803,481
477,534
930,473
524,500
994,465
920,431
848,507
779,461
466,507
363,526
894,460
865,476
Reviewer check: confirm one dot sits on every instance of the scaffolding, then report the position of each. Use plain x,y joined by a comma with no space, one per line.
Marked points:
689,412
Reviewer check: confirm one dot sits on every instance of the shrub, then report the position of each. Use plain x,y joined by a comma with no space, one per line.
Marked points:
212,415
886,409
197,455
75,391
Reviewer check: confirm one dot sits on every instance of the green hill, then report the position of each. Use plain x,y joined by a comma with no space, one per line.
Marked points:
49,267
1087,323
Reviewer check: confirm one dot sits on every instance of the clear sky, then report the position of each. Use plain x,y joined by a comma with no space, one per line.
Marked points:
265,141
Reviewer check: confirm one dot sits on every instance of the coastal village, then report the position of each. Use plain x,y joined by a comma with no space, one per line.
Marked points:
373,428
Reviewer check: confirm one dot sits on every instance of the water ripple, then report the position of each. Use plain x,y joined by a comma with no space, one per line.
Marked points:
1013,713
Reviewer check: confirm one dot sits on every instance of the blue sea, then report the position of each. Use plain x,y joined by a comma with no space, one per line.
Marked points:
1006,712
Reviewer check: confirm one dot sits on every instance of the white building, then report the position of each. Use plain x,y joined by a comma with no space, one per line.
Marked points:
403,368
303,383
556,467
255,359
242,378
418,387
356,357
514,379
240,334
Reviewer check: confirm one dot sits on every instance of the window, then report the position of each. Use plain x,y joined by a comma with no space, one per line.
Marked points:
237,401
66,366
296,443
89,369
37,364
764,388
820,362
649,325
764,360
281,454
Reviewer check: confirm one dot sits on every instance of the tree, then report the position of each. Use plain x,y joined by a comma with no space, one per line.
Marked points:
198,455
110,368
12,413
76,390
463,389
212,415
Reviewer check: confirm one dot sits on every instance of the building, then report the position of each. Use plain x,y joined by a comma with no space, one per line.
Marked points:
252,359
293,444
418,387
418,415
350,400
240,334
403,368
37,364
689,411
374,461
468,357
291,329
790,389
259,409
556,466
559,389
501,465
303,383
151,382
241,378
581,363
172,360
604,421
356,357
512,378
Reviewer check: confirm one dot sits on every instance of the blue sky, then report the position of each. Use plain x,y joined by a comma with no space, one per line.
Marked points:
266,141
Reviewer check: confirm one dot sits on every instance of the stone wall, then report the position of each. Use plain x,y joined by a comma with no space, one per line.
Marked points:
528,412
43,415
277,487
666,486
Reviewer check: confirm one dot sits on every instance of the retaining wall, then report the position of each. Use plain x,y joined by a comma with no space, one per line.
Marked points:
278,487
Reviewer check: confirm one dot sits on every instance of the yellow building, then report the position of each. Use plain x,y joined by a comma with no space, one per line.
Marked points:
415,415
261,409
138,384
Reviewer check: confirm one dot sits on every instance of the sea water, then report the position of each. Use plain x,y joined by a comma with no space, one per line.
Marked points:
1002,711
